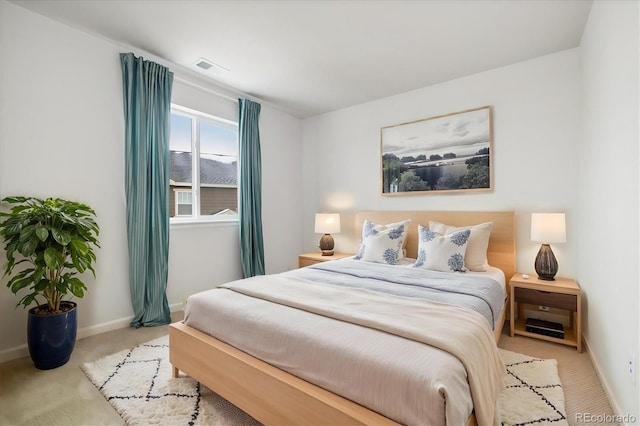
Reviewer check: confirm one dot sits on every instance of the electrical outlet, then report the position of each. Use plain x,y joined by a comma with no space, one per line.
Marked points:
631,368
543,308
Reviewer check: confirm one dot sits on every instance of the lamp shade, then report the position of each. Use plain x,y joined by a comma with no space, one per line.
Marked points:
548,228
327,223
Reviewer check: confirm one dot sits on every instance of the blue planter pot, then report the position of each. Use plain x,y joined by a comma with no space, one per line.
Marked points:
51,338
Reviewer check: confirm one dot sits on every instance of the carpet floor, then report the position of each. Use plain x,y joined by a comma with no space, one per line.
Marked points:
138,383
64,396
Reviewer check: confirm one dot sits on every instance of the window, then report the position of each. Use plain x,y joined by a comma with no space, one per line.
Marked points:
184,203
208,145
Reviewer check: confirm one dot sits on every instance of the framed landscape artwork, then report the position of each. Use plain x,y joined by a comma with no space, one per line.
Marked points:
451,152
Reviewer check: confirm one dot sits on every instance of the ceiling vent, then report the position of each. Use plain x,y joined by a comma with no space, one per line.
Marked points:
207,65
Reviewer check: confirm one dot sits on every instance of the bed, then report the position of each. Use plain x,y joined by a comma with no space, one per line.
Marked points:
274,396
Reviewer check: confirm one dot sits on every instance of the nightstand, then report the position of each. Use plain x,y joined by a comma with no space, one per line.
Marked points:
563,293
307,259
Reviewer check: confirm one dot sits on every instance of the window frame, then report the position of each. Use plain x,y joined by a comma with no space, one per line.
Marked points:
178,203
196,118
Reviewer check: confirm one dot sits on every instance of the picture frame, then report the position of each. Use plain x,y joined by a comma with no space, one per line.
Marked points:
442,154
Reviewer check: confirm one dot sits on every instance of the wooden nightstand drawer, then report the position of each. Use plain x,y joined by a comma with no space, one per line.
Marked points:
545,298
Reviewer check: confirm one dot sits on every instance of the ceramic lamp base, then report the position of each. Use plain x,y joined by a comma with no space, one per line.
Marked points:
546,264
326,245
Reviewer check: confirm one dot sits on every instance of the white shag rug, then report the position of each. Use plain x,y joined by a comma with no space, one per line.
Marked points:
139,384
533,393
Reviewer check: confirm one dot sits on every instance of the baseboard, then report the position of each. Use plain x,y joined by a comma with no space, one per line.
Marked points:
603,380
117,324
14,353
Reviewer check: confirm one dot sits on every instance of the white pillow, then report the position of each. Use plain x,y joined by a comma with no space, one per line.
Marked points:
442,252
475,258
383,243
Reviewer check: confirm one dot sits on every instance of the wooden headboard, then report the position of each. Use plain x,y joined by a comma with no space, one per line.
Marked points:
502,243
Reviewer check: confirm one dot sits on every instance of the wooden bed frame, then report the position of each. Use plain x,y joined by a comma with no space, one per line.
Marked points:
273,396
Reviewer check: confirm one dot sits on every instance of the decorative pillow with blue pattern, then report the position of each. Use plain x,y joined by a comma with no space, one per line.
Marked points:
442,252
475,259
383,243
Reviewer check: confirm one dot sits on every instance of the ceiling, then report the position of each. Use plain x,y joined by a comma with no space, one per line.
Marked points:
310,57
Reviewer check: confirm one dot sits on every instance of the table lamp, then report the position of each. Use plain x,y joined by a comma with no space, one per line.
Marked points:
547,228
327,224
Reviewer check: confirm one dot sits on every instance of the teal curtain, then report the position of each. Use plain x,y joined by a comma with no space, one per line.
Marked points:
147,109
251,244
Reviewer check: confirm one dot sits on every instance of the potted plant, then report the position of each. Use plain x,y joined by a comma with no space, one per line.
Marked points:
48,243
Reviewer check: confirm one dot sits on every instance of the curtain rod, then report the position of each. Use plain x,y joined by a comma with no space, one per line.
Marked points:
198,86
180,69
206,89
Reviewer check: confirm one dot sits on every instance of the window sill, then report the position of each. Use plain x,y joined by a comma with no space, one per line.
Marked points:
191,223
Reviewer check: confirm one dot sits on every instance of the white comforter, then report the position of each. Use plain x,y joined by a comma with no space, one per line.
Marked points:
379,357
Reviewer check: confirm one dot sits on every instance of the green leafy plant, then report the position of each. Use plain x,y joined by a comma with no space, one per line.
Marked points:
55,239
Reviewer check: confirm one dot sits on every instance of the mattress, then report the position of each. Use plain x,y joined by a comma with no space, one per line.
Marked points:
403,379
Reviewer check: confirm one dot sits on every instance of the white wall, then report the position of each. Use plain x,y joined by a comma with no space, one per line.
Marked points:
281,189
609,194
536,123
62,134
